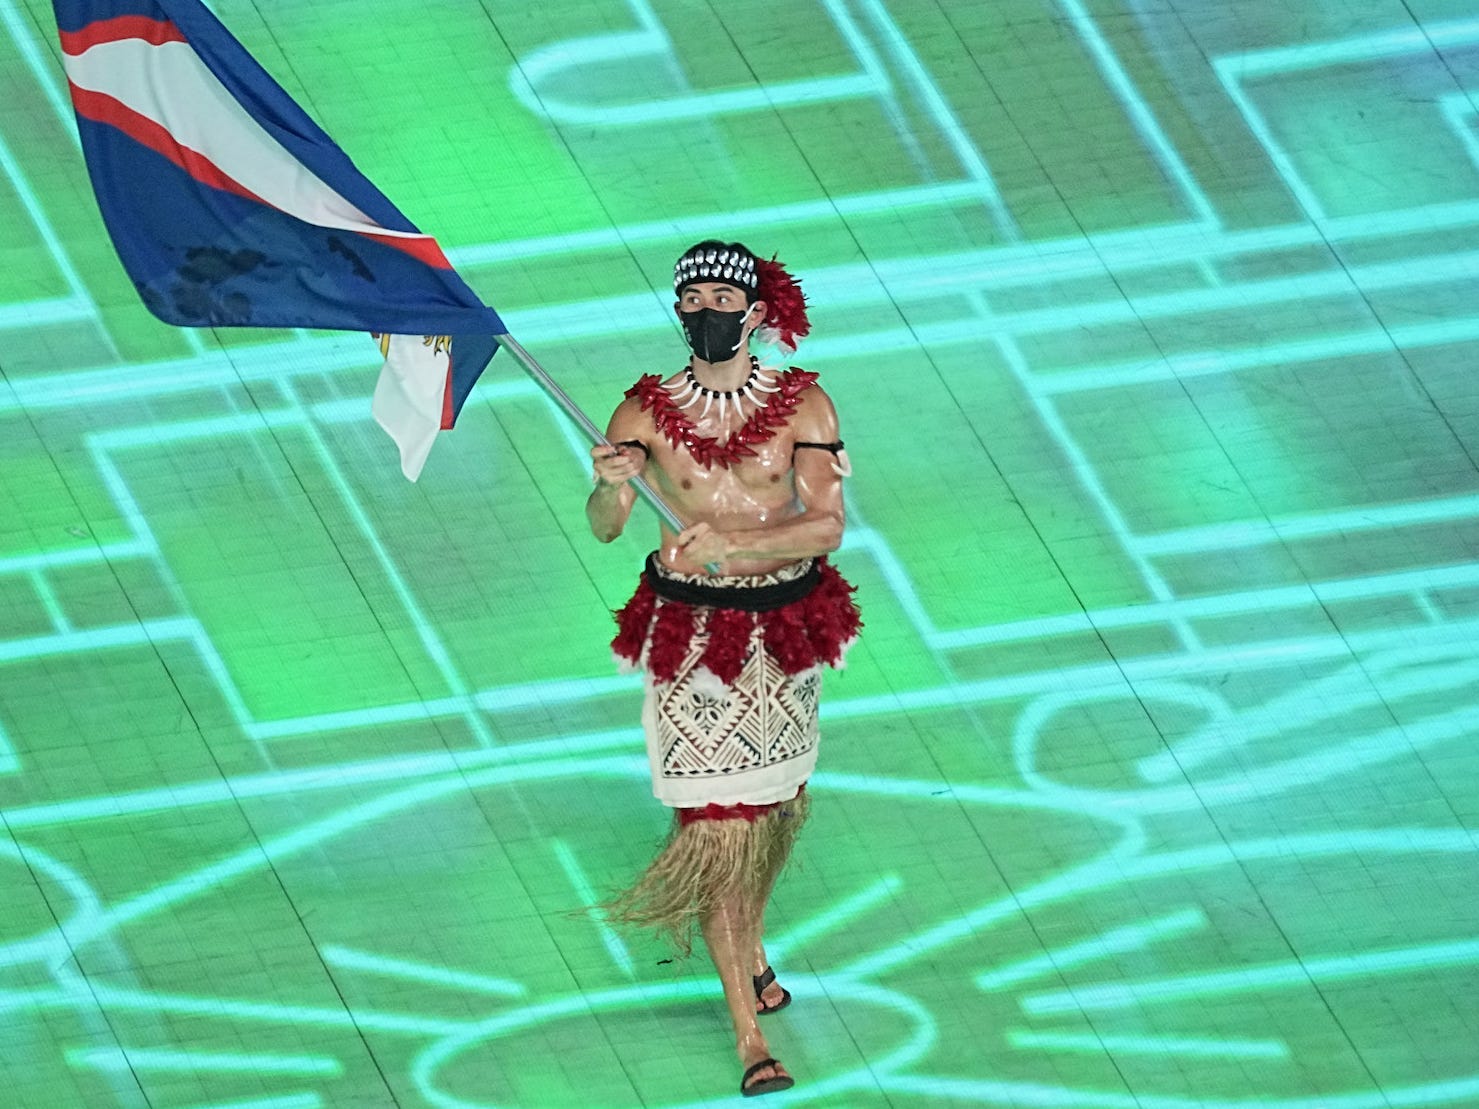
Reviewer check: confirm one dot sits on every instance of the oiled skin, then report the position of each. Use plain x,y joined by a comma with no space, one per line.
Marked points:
761,512
749,518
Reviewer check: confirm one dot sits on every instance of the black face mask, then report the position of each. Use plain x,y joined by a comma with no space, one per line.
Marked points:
713,335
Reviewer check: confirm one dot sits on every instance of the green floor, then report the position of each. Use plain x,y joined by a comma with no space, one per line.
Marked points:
1153,328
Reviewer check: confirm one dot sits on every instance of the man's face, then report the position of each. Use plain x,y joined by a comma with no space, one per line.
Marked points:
712,294
717,320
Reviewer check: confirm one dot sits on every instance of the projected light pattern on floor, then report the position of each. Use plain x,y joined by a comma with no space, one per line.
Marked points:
1150,783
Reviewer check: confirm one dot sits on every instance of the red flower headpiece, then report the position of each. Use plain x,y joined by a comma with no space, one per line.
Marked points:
785,306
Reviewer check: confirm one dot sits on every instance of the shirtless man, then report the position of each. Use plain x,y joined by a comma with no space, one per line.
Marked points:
735,615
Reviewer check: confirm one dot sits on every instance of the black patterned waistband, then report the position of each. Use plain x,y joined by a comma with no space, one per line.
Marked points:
769,591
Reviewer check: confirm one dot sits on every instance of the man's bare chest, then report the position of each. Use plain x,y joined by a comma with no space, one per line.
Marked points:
729,430
767,468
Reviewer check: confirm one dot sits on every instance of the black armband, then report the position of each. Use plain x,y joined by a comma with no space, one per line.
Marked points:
636,443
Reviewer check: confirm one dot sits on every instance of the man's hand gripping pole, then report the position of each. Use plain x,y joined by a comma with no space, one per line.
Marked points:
594,433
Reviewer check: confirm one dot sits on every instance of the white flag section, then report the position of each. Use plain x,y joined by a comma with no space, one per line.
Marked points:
411,394
194,149
169,85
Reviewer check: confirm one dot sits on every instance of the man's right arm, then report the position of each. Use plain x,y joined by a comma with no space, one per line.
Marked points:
610,502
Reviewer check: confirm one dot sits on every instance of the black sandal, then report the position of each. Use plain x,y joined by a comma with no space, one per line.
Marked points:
773,1084
761,982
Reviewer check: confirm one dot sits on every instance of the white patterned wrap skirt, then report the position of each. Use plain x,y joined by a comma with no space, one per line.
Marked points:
751,741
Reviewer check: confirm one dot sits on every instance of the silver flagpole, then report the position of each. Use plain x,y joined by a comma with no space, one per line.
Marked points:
596,435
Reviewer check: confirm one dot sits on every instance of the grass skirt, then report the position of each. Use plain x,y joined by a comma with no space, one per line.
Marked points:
706,862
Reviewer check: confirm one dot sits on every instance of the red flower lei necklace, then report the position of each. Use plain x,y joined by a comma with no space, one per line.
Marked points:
761,427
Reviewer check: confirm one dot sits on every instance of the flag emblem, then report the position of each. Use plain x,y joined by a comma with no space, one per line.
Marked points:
230,207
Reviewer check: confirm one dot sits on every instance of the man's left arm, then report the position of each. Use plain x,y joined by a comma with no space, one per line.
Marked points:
817,530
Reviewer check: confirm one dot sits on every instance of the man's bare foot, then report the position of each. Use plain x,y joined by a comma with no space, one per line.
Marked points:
763,1076
770,996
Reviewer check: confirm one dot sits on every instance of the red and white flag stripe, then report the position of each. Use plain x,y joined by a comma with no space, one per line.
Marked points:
141,76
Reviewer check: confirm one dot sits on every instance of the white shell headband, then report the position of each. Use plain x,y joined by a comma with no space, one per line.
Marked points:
716,264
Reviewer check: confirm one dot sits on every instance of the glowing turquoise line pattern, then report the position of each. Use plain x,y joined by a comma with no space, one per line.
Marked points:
1283,528
116,998
963,693
1120,868
284,1101
35,313
1140,112
1339,759
48,79
1158,991
1377,276
172,376
142,438
966,693
43,70
936,793
37,215
895,575
431,641
1458,112
276,783
154,1059
1144,248
991,268
207,879
652,42
1365,48
1119,941
910,199
1019,1095
1380,680
102,639
588,898
1087,476
48,598
349,959
939,109
1106,761
972,923
1212,363
1233,70
49,946
138,527
1226,604
399,769
922,1035
1147,1045
505,698
831,919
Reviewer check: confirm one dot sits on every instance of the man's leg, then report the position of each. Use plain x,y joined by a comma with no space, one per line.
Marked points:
772,994
789,819
729,934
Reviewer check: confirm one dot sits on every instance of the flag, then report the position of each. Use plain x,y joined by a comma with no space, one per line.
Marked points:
230,207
